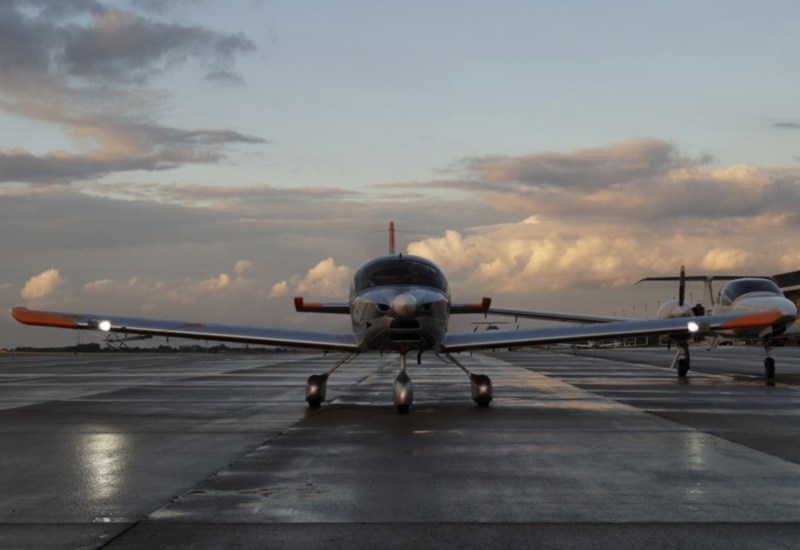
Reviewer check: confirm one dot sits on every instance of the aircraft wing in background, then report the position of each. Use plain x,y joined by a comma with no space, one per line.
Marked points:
198,331
469,341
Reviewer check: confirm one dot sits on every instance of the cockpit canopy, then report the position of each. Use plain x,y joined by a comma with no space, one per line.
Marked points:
393,270
740,287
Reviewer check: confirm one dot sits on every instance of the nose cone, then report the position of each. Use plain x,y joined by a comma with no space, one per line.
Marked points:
405,306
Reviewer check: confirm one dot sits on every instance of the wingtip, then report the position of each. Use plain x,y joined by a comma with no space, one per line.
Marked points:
754,320
42,318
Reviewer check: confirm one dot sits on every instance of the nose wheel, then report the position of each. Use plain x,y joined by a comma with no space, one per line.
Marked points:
681,360
769,368
403,389
769,362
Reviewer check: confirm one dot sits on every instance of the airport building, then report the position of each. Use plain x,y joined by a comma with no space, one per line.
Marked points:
790,284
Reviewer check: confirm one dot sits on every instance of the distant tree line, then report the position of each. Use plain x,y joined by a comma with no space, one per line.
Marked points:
95,347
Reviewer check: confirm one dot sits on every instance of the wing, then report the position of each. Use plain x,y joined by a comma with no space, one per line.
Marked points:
559,316
180,329
330,307
478,307
626,329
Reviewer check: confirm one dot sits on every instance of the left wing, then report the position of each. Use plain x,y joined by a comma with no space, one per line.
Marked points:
469,341
559,316
180,329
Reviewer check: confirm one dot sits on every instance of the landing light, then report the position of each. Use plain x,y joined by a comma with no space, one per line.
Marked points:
692,326
105,326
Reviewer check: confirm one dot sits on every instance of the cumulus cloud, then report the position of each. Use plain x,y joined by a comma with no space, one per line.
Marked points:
73,63
42,285
522,258
725,258
186,291
242,266
326,279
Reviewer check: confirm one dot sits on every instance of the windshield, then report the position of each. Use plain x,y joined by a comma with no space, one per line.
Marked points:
400,272
735,289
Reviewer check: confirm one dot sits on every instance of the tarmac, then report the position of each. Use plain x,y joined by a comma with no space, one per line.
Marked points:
604,449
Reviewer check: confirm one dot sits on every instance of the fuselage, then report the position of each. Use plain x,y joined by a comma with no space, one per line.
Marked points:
400,303
751,295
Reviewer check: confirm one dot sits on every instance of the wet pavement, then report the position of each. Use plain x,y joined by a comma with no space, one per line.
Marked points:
603,449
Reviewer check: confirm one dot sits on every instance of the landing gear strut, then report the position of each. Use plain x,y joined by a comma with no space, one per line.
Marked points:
769,362
681,360
317,384
403,388
480,383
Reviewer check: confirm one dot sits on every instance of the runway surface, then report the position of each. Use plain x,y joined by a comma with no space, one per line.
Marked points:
606,449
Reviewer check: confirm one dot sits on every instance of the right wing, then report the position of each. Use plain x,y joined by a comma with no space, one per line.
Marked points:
198,331
469,341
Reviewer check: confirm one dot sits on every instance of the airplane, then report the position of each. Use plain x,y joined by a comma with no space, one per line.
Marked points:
401,303
741,295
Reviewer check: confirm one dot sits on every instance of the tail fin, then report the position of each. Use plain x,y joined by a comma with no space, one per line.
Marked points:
391,238
682,286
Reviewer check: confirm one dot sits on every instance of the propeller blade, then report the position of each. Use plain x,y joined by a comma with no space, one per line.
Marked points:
682,286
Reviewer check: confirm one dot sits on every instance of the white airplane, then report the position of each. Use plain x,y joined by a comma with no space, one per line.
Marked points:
402,303
741,295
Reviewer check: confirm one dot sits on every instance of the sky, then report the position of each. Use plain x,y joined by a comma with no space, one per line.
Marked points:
206,161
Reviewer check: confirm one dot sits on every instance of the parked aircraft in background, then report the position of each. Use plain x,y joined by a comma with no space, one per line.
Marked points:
402,303
741,295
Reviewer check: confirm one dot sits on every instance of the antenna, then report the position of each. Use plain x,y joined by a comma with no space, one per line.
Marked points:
391,238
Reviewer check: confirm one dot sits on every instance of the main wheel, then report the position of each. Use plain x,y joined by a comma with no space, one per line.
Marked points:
769,367
483,401
683,368
314,403
403,409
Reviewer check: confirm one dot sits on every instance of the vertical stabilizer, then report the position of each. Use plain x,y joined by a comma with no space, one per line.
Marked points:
391,238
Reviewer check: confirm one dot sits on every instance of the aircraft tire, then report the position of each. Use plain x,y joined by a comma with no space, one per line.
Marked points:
403,409
314,403
483,402
769,367
683,368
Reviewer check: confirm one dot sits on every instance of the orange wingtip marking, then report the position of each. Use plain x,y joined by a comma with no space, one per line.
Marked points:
486,303
299,305
42,318
763,319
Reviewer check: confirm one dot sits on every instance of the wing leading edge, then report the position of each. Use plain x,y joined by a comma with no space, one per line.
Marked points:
198,331
469,341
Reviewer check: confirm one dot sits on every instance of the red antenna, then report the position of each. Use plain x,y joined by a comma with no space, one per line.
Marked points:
391,238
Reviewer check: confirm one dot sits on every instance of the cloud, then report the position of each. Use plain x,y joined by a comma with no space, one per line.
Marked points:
81,65
40,286
787,125
641,180
725,258
523,258
122,46
326,279
185,291
242,266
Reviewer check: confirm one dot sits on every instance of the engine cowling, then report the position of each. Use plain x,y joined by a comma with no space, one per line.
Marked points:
673,309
